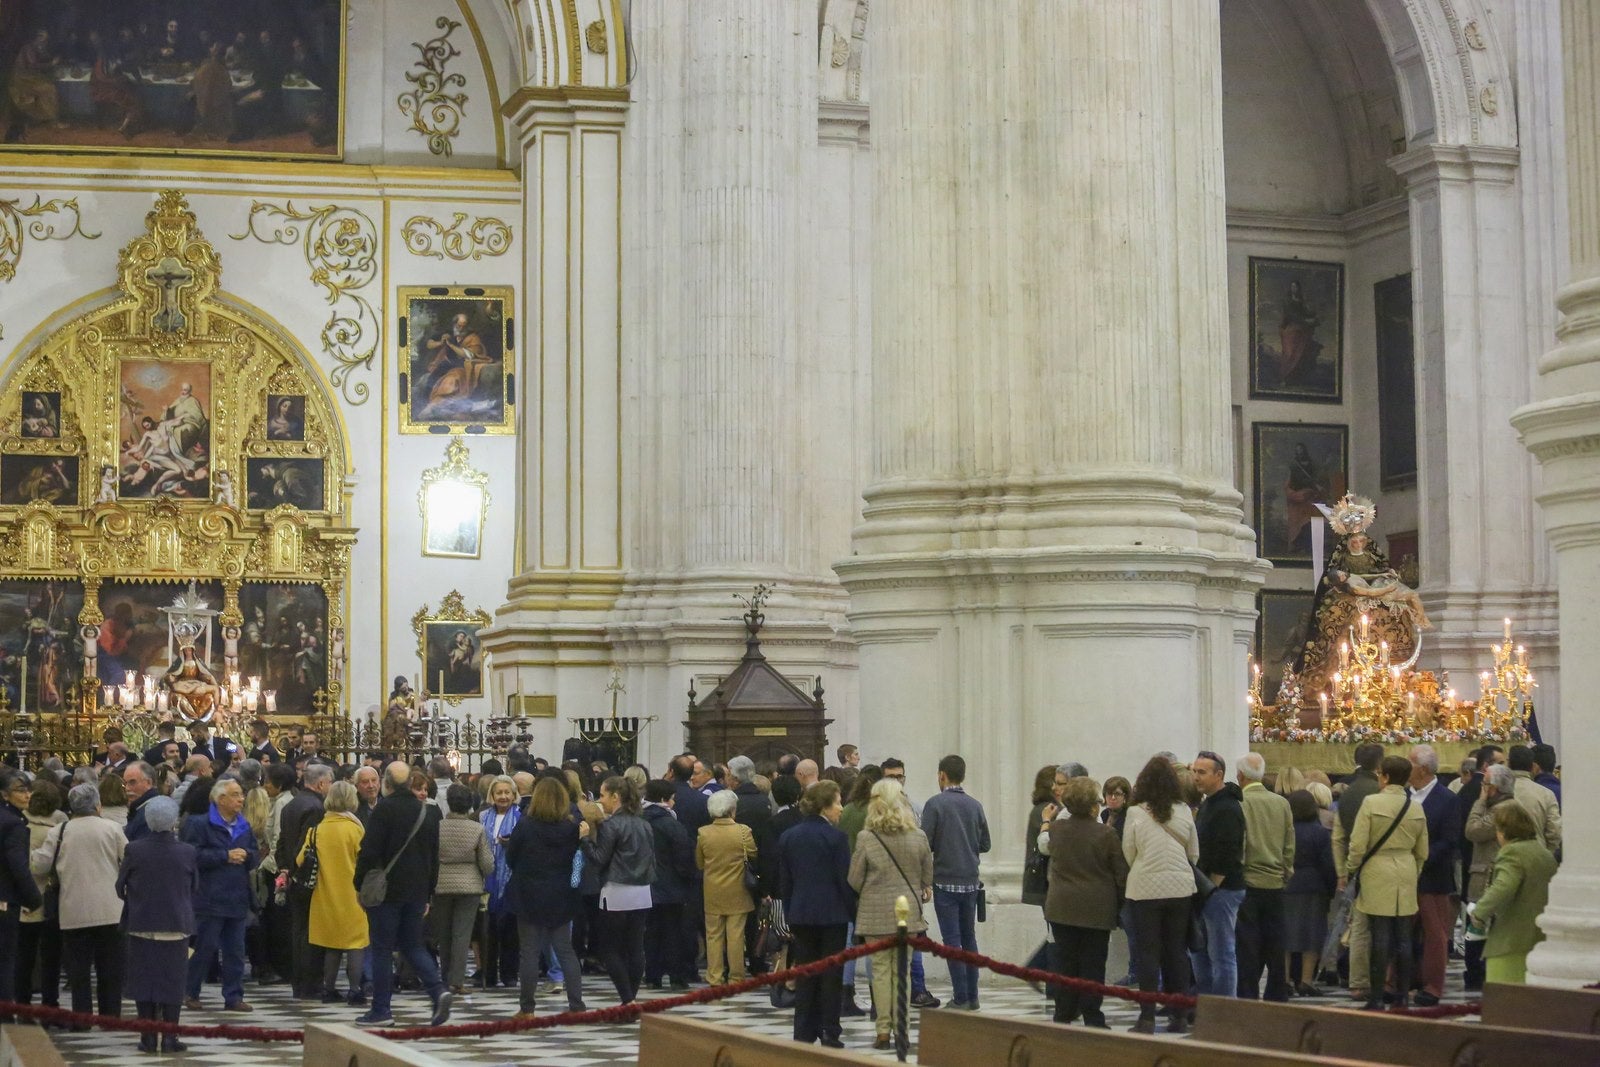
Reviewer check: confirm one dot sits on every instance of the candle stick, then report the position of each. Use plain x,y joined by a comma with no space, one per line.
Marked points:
1508,631
22,687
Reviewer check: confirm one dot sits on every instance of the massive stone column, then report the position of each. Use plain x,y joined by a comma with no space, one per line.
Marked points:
1562,430
1051,563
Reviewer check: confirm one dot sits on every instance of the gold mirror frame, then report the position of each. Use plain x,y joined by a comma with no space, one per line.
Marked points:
456,470
452,611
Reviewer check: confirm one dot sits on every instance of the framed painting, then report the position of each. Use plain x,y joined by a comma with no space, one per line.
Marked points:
1397,384
164,426
1296,330
449,650
1283,621
41,414
286,417
248,77
1405,556
457,376
455,506
271,481
1297,465
135,636
52,479
41,652
284,642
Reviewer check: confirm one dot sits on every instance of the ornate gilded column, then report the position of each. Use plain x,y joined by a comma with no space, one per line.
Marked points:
1562,430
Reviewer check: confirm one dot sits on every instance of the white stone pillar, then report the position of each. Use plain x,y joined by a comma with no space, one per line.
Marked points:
1052,563
727,405
1562,430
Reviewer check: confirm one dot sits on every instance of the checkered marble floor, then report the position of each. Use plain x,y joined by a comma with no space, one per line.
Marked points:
564,1047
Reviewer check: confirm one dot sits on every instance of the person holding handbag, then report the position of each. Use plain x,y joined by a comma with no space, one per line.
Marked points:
891,860
725,850
1088,874
543,890
1387,850
1161,847
84,855
338,926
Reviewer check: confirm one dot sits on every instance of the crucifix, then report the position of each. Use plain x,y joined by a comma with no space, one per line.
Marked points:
170,276
616,689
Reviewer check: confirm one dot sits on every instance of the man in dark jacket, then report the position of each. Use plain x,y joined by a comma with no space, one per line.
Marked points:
166,734
689,805
261,746
226,853
17,887
1436,884
404,840
1220,829
139,781
299,816
666,952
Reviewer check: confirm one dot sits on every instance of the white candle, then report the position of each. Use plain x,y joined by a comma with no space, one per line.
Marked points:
1508,631
272,701
108,695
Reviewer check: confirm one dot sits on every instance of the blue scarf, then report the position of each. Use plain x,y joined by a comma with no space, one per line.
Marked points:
236,829
497,882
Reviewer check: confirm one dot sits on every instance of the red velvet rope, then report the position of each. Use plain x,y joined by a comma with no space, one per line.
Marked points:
1030,974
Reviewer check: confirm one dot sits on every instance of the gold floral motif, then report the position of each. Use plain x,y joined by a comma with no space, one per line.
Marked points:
486,236
594,36
44,220
340,245
452,609
435,111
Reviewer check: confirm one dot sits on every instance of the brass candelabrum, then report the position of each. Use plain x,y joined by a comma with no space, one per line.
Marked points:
1505,700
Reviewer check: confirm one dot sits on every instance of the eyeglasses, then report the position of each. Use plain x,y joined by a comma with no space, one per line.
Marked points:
898,777
1061,783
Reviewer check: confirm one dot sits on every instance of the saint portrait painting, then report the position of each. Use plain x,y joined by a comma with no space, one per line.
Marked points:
41,655
453,655
41,414
284,641
1282,624
48,479
1296,330
1297,467
164,429
457,377
286,417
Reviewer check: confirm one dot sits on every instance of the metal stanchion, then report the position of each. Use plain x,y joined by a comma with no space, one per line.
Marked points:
902,980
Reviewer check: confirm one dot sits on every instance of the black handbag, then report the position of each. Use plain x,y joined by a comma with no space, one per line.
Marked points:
304,875
52,896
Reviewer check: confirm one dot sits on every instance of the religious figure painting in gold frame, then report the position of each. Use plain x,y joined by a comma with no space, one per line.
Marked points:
1298,465
458,375
41,414
273,480
286,417
248,77
448,647
1283,621
41,652
164,428
455,506
1296,330
51,479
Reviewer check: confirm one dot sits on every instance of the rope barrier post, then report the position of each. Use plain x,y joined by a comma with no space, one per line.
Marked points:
902,979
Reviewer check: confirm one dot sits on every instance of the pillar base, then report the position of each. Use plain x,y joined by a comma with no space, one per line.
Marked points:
1571,923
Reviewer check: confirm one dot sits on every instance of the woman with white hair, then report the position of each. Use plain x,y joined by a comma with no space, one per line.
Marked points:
891,860
227,853
158,880
724,850
499,961
81,857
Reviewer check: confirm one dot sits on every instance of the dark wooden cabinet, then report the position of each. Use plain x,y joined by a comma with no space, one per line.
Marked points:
757,712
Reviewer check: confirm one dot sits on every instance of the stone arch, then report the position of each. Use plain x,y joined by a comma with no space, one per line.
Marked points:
1452,69
841,48
555,43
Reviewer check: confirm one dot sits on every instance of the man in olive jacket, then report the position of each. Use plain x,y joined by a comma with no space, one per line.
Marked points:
1363,784
1268,866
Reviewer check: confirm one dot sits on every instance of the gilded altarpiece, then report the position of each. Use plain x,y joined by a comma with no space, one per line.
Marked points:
206,447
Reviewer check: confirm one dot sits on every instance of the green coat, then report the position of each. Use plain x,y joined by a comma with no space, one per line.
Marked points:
1389,880
1519,889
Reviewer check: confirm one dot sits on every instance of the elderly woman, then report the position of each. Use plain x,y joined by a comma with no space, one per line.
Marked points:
891,860
1519,889
465,859
226,854
18,891
499,820
724,850
814,883
1087,874
1388,895
1160,845
1309,890
83,856
39,938
114,800
624,857
338,924
158,878
1497,788
542,895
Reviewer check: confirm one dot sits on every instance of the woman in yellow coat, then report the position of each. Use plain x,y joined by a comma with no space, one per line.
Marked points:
723,850
1388,895
338,923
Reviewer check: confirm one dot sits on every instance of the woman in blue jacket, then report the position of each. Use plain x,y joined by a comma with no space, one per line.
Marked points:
157,884
226,853
814,882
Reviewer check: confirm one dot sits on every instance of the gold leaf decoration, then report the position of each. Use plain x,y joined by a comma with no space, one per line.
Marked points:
340,245
44,220
459,241
594,37
434,110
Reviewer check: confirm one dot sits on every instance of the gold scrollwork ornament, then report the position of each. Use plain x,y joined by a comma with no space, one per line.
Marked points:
434,110
43,220
487,236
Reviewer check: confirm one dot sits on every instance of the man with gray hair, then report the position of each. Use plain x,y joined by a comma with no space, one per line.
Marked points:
1268,866
1437,881
1464,773
299,816
89,909
139,782
1072,770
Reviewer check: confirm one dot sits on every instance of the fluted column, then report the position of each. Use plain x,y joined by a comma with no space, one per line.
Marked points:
1051,562
1562,430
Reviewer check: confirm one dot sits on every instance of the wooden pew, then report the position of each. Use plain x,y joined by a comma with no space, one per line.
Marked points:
28,1046
345,1046
1347,1032
966,1039
1570,1011
668,1042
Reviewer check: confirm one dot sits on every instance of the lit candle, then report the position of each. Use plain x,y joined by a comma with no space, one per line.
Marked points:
272,701
1522,655
1508,631
1365,624
1394,672
1483,685
233,680
128,681
161,703
1323,697
1344,653
108,695
255,681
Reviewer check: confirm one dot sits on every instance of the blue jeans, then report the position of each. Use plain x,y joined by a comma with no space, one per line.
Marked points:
1216,970
958,927
212,932
398,927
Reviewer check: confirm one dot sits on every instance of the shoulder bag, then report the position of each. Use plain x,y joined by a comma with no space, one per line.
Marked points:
304,875
916,897
375,886
52,895
1203,888
1345,902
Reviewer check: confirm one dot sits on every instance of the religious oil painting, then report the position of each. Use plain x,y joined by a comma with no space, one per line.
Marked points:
284,642
454,659
137,636
51,479
1397,384
286,417
1296,330
245,77
458,342
41,652
1283,622
272,481
164,429
41,414
1297,466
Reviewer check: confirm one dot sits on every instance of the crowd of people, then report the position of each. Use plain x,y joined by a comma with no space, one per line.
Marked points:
165,885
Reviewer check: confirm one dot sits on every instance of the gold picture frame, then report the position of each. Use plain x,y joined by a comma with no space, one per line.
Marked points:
448,649
454,501
457,359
